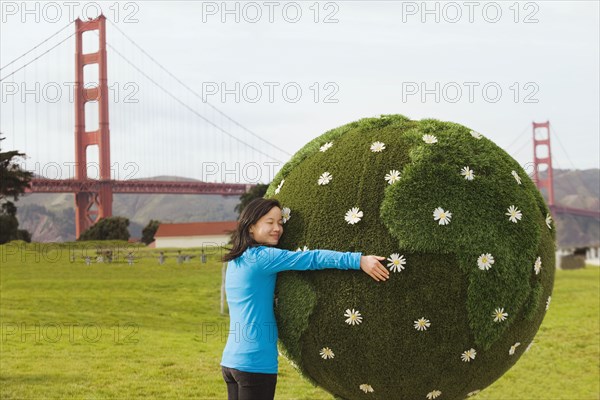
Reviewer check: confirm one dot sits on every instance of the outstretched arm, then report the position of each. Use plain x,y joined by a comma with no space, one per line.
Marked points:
273,260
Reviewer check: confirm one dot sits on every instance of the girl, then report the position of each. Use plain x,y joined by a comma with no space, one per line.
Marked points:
249,362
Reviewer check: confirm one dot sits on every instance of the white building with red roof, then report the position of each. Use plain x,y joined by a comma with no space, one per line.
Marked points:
193,234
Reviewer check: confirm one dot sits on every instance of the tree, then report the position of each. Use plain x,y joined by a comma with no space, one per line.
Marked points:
257,191
149,231
110,228
13,182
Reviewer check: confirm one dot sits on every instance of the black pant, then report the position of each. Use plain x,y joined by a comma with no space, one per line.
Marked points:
249,385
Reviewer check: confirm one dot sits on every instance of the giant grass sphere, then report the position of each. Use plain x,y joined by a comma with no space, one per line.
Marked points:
449,321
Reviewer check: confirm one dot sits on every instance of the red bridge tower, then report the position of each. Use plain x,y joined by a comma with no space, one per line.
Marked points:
543,156
90,205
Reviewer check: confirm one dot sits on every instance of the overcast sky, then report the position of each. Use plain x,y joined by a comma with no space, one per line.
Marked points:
492,66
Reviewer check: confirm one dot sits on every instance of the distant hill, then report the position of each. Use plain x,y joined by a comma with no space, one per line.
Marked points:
51,217
578,189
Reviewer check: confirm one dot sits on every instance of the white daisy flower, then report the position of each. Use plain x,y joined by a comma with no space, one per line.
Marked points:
442,216
353,317
325,178
467,173
305,248
434,394
286,214
516,176
473,393
278,188
353,215
392,177
529,347
548,302
468,355
537,267
326,353
476,135
513,348
377,147
422,324
485,261
396,262
499,314
429,139
366,388
549,221
514,214
325,147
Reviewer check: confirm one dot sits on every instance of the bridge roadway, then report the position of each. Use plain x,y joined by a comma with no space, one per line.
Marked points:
137,186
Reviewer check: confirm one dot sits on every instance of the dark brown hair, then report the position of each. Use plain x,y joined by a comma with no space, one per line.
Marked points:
241,238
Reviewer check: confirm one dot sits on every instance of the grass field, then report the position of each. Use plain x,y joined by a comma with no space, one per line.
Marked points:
121,332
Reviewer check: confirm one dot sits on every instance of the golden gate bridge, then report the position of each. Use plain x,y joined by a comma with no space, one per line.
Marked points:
94,197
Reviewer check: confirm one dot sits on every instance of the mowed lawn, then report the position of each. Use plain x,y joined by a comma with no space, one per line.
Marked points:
114,331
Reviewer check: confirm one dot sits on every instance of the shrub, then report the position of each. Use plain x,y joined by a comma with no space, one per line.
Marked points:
110,228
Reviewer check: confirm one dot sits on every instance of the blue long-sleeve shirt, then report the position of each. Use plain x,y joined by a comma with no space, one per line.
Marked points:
250,288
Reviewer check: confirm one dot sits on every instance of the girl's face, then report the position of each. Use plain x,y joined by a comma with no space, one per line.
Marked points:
269,228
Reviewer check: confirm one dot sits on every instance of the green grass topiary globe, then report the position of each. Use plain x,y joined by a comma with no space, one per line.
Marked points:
469,242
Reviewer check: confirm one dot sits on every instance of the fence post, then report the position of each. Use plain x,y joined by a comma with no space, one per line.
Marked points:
223,271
